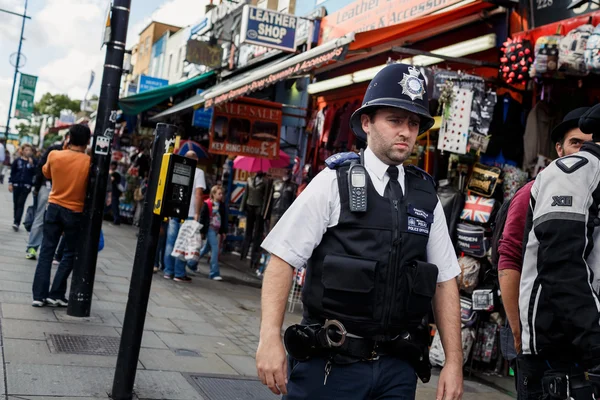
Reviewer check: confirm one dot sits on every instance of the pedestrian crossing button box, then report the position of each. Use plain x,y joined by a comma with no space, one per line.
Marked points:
175,186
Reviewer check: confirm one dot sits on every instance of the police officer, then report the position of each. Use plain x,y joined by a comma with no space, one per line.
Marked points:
558,302
373,235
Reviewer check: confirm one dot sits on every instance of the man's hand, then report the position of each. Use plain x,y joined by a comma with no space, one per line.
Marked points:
517,336
450,384
10,188
271,364
196,217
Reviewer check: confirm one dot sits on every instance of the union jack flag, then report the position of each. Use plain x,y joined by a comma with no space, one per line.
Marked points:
478,209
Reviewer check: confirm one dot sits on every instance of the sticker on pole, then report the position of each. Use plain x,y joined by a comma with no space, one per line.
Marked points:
102,145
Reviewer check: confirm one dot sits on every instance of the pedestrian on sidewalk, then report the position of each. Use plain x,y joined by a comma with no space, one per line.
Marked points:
41,189
2,158
20,181
5,165
68,170
214,229
174,267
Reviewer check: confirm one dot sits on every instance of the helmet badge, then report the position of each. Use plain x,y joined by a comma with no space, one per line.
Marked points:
412,85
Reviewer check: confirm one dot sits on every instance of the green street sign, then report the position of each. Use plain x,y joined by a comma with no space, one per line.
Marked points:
24,106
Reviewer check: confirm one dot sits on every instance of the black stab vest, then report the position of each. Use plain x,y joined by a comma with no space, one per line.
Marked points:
365,272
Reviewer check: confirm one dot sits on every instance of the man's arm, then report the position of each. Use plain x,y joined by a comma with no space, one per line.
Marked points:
198,203
271,360
510,262
446,308
509,286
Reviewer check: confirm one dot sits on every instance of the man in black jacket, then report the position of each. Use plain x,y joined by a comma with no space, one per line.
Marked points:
41,189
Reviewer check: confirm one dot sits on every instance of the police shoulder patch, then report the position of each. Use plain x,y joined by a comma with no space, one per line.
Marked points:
421,173
340,158
571,164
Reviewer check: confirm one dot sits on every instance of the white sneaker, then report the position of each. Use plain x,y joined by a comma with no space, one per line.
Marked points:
58,302
37,303
217,278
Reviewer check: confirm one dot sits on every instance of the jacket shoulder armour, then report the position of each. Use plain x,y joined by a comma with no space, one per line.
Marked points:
340,159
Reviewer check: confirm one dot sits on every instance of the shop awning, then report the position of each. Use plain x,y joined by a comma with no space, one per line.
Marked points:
141,102
199,98
184,105
266,76
439,21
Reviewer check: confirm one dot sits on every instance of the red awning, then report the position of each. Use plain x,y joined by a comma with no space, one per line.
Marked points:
567,25
428,26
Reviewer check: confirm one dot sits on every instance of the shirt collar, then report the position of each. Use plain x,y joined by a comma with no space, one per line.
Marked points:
377,167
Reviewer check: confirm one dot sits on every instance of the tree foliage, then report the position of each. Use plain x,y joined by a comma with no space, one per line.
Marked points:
53,104
26,129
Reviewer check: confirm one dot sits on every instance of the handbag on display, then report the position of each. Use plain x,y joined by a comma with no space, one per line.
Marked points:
546,55
483,300
517,61
472,240
484,180
469,275
468,316
453,202
572,49
478,210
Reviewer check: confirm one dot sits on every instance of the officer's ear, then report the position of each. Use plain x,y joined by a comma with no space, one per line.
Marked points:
365,120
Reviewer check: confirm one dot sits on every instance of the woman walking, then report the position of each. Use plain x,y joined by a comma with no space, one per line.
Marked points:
20,181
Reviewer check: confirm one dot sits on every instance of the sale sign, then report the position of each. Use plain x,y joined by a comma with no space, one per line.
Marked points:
246,127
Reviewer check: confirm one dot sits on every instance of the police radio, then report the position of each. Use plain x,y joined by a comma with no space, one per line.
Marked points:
357,186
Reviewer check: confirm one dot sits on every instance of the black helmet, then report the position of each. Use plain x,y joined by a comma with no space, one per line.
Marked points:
396,85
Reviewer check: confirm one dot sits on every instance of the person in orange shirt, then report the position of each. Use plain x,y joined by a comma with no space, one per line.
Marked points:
68,169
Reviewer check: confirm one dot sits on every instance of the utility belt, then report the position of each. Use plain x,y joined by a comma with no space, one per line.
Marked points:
570,385
303,342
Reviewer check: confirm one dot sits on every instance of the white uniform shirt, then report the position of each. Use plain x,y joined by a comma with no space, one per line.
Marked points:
302,227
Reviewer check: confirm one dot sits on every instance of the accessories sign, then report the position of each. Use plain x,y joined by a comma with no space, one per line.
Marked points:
268,28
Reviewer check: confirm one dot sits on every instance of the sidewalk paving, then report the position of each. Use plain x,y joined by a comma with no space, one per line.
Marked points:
199,342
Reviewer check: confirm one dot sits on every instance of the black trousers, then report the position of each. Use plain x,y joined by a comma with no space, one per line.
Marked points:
20,194
255,225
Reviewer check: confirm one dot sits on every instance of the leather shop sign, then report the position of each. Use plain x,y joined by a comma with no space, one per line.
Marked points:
246,127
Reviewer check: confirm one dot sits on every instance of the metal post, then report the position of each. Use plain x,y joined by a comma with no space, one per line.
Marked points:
141,275
84,268
12,92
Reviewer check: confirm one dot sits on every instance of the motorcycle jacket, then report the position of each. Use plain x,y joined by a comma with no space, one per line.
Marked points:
559,303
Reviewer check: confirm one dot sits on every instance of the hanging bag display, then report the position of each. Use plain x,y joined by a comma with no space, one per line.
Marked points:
484,180
478,210
471,240
572,48
546,54
517,60
591,55
469,275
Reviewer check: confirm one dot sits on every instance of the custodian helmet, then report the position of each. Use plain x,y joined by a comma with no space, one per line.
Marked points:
396,85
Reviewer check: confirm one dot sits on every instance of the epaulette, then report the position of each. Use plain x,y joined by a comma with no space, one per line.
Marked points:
421,173
338,159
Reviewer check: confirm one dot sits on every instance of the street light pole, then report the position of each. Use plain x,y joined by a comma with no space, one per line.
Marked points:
84,268
12,92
